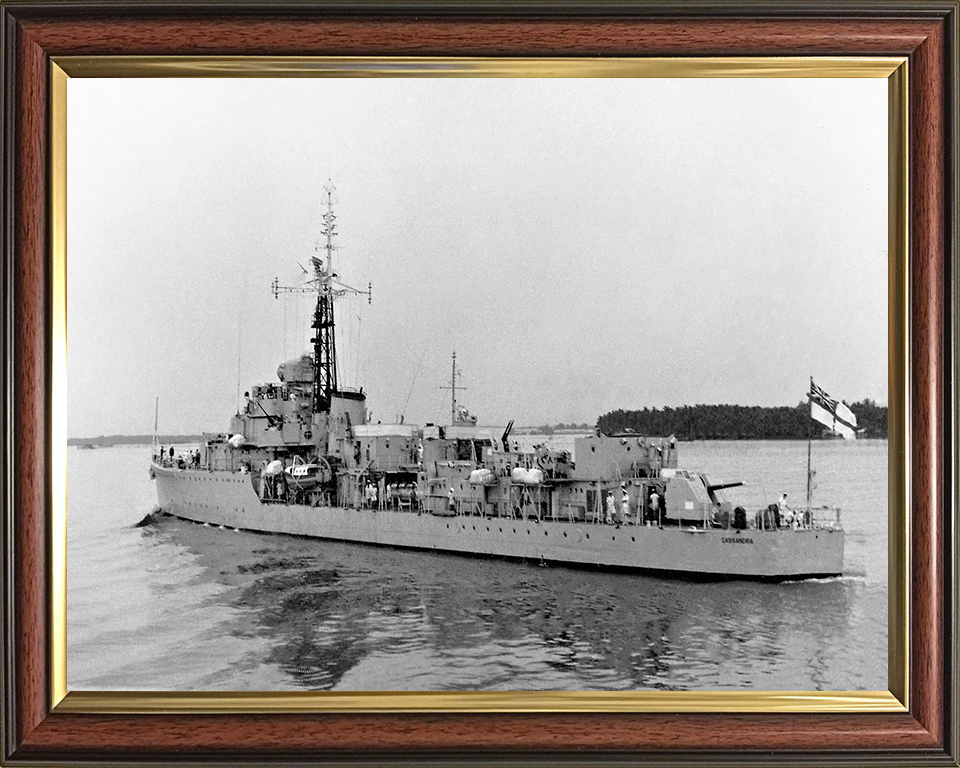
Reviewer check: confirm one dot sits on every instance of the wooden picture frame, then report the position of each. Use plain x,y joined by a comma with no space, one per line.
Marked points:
40,727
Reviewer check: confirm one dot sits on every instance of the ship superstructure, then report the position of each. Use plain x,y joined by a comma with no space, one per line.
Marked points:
301,457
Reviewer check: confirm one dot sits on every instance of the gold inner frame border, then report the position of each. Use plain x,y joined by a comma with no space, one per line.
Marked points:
893,69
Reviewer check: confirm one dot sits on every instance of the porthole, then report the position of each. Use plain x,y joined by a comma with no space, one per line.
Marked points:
564,534
588,535
632,538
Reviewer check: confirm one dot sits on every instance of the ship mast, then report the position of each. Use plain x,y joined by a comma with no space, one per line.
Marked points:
325,340
810,472
326,284
454,373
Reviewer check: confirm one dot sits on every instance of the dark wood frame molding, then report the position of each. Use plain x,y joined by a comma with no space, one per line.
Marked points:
926,32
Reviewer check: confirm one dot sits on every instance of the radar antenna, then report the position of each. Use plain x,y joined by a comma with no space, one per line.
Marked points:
328,287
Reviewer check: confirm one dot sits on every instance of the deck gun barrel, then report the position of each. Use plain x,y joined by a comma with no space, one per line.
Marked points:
722,486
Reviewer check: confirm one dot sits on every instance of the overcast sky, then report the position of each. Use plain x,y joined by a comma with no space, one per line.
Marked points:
583,245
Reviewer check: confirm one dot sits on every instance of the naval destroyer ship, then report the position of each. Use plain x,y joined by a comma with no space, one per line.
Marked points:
302,458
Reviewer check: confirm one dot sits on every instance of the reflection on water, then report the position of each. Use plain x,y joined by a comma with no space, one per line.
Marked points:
186,606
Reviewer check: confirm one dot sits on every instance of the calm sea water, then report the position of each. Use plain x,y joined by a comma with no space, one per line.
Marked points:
180,606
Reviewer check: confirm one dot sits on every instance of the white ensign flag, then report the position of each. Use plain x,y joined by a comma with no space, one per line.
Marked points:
832,413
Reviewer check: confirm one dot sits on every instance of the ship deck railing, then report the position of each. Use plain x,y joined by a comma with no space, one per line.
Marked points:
466,508
819,518
393,464
814,518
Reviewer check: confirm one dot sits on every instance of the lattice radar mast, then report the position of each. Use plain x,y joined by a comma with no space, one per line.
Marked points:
328,287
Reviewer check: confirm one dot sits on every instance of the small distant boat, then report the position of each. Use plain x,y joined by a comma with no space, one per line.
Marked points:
87,447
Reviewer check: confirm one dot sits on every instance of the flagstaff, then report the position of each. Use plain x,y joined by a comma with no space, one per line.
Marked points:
810,447
834,415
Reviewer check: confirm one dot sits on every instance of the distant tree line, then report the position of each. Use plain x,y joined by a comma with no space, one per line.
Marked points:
110,440
738,422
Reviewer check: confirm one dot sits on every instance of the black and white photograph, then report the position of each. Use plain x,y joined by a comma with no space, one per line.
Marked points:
477,384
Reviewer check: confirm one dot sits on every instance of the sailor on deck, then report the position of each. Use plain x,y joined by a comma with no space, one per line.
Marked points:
611,507
784,513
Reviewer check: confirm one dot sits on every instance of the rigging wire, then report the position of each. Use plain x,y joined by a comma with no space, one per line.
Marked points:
426,348
349,331
296,329
416,373
356,372
239,350
302,321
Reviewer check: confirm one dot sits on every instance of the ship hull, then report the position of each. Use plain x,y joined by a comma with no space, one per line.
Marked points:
229,500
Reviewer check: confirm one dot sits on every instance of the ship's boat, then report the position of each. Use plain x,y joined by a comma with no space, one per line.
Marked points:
302,457
308,476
